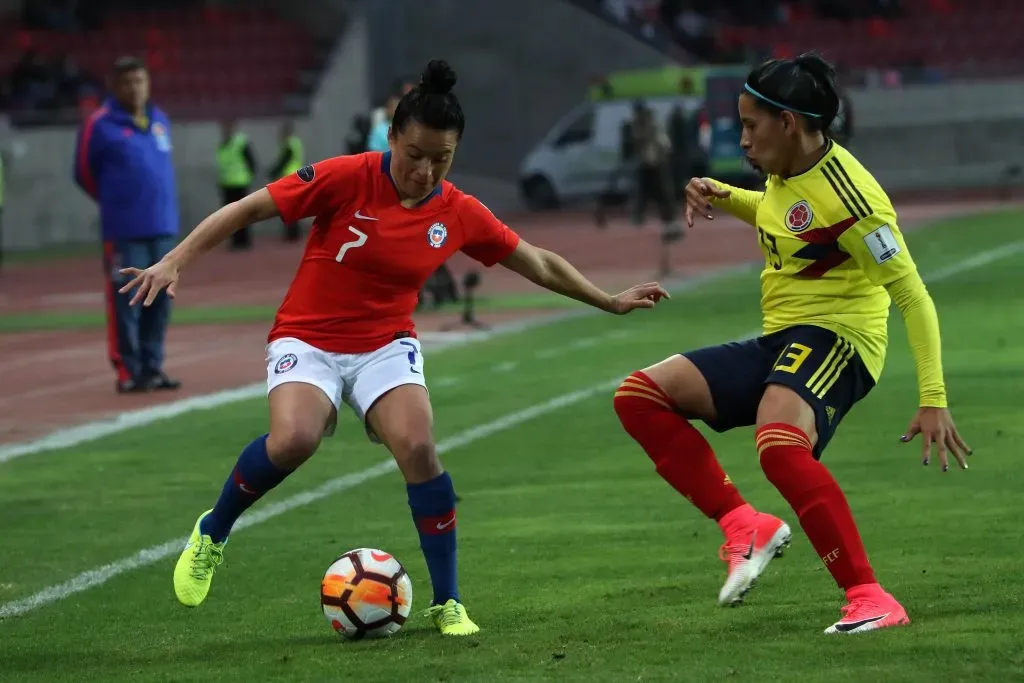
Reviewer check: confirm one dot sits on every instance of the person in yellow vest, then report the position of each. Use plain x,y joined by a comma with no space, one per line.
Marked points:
289,161
236,169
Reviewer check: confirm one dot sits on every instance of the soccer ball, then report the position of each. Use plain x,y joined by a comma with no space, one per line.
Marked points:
366,593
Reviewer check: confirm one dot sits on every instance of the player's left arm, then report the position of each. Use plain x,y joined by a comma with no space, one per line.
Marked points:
877,245
553,272
490,241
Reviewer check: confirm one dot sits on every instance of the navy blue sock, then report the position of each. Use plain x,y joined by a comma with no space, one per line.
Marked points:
253,476
433,510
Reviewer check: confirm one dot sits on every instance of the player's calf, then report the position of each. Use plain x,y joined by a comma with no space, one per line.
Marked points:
681,455
401,419
253,476
686,461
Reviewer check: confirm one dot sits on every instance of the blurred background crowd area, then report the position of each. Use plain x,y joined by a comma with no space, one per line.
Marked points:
931,91
231,59
209,61
886,42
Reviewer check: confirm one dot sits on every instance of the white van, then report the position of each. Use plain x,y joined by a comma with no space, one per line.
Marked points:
578,156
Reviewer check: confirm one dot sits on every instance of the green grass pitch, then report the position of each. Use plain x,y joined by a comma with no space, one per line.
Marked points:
577,561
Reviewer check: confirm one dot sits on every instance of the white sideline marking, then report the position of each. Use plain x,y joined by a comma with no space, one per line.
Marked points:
97,429
977,261
100,575
91,431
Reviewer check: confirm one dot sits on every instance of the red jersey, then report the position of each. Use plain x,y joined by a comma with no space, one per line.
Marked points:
367,256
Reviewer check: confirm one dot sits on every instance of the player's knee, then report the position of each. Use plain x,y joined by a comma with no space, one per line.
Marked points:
783,450
781,404
636,398
416,456
292,444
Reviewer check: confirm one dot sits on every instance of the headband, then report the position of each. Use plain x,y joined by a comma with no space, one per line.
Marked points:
780,105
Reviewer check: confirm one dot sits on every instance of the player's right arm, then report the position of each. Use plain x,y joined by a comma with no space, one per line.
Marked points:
704,194
308,192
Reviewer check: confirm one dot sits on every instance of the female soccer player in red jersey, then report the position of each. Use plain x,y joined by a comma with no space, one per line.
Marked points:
344,332
834,259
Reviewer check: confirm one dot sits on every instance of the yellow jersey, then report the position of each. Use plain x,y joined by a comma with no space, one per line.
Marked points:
833,255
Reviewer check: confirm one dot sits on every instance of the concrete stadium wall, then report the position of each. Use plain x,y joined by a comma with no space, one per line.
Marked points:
44,207
522,65
961,135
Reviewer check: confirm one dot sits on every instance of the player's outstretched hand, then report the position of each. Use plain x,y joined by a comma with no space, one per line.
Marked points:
936,425
162,275
638,296
698,190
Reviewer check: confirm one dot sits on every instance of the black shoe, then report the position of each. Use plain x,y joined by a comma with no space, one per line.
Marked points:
131,386
161,382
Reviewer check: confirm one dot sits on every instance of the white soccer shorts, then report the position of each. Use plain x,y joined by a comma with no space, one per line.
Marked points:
358,379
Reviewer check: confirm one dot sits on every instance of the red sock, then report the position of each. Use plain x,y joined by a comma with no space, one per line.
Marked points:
681,455
812,492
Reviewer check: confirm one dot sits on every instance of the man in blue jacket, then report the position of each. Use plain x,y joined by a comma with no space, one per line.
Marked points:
123,161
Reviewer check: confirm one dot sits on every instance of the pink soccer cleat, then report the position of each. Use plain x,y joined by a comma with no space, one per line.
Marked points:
868,608
748,549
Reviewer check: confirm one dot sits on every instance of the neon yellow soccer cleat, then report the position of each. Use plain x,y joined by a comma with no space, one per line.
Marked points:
451,619
193,573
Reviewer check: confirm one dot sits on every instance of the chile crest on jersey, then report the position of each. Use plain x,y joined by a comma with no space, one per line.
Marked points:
437,235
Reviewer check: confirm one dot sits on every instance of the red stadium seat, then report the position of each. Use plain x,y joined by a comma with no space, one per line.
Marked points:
257,56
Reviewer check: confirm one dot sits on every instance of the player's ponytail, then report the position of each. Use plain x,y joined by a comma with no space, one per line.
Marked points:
805,86
432,103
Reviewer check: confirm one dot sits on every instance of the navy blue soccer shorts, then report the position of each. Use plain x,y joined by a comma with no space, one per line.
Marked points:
819,365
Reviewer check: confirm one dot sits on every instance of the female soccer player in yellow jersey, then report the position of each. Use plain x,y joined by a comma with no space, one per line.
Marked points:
834,258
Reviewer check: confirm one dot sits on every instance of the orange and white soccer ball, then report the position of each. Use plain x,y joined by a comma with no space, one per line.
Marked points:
366,593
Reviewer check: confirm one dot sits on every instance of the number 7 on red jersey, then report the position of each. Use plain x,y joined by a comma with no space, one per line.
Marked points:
359,241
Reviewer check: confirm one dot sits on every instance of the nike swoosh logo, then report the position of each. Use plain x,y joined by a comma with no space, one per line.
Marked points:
441,526
414,370
750,551
364,217
844,628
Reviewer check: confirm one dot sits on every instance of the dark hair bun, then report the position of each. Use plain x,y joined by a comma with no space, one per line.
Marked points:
438,78
816,66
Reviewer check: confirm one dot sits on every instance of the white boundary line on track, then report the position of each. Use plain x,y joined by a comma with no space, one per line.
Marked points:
100,575
97,429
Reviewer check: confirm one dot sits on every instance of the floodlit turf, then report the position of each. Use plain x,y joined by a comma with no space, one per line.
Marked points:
577,561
